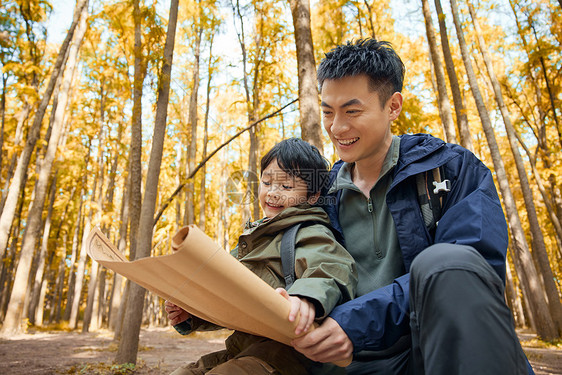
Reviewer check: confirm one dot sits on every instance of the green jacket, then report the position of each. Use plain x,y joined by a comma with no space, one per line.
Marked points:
324,269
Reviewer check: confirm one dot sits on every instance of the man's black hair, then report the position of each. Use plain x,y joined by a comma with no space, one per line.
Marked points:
371,57
299,159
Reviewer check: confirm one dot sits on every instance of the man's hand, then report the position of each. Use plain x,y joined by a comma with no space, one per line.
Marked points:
326,343
176,314
299,305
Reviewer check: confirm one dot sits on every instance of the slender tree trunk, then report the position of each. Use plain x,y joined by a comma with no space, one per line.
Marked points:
10,263
78,284
460,109
551,95
33,224
72,268
251,110
529,277
23,162
309,107
37,285
539,248
21,117
92,294
2,115
206,138
117,292
513,299
128,345
192,124
135,173
56,305
442,96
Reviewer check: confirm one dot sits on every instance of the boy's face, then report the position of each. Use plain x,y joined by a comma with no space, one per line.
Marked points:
357,123
279,190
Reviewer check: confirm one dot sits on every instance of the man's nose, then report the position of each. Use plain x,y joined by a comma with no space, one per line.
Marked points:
339,125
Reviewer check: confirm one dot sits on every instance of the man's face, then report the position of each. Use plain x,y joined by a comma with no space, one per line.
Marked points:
357,123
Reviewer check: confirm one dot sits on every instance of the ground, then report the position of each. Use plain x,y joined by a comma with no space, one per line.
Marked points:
161,351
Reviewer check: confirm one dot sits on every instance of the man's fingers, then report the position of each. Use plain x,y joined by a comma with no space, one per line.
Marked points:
327,343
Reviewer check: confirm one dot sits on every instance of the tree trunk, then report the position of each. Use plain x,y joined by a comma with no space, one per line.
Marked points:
309,107
25,157
539,248
117,290
78,284
71,285
442,96
37,285
206,137
56,306
135,172
529,277
9,263
128,345
460,109
92,294
12,322
251,108
513,299
21,119
192,124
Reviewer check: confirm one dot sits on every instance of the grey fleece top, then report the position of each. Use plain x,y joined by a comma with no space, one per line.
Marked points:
369,223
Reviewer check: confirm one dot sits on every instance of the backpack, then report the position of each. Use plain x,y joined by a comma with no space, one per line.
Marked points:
430,187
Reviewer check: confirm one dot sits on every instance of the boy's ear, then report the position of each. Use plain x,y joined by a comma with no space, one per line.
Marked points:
313,198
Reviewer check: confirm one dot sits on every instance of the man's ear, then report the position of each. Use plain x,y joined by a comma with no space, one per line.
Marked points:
313,198
395,105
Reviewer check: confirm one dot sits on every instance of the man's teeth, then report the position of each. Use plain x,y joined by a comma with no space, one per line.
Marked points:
274,205
347,142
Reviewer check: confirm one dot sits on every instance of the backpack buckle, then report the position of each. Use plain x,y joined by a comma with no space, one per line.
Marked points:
442,187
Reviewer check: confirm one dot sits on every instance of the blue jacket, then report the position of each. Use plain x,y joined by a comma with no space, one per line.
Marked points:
376,320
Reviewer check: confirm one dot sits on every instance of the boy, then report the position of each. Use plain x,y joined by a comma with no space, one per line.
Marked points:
291,174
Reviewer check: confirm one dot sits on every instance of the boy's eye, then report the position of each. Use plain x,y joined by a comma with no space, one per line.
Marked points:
287,187
266,183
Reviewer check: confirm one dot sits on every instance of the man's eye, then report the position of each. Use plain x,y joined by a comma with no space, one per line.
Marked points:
353,111
327,113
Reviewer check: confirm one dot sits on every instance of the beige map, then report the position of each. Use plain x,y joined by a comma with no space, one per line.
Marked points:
205,280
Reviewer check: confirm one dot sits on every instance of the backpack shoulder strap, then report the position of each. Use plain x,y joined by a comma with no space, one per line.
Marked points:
431,187
287,253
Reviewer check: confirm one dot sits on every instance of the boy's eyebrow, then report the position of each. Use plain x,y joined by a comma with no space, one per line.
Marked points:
346,104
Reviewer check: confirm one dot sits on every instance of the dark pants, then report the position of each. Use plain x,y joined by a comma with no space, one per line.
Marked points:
459,321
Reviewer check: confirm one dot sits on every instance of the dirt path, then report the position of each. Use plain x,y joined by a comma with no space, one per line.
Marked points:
161,351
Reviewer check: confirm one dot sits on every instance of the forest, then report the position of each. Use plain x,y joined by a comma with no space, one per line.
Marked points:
150,115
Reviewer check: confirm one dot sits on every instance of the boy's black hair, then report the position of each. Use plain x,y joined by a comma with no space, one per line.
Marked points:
371,57
299,159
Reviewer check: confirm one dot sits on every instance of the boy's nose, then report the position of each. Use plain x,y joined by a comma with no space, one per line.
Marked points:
273,192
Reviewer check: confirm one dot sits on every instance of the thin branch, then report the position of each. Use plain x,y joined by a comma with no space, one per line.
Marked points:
204,161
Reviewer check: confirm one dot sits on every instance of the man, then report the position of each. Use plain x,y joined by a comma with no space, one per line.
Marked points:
428,302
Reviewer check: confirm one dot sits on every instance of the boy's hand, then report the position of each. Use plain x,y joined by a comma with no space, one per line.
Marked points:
302,306
176,314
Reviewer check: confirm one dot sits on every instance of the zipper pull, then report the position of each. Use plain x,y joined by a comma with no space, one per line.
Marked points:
369,205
